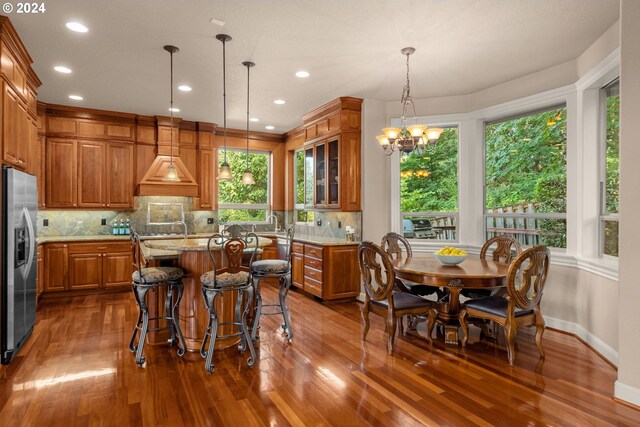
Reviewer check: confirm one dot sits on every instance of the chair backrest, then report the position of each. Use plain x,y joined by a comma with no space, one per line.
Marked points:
376,271
527,276
505,245
233,241
393,244
135,251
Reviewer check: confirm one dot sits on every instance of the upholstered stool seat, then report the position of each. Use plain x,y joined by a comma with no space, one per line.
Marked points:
225,279
157,274
270,266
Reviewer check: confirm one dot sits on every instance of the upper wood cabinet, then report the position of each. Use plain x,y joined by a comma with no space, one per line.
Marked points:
119,176
91,165
15,129
61,178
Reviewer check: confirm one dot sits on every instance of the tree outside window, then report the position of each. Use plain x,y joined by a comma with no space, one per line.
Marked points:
609,218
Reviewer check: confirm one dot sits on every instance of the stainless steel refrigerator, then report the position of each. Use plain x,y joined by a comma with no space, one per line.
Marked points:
19,262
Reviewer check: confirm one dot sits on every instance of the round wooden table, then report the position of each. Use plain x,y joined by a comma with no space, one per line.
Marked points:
471,273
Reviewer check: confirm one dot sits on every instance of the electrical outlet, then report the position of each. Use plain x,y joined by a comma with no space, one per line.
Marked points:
45,222
319,222
339,224
103,221
209,220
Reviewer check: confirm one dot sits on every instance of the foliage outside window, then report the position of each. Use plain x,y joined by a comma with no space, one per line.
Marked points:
609,188
526,178
429,190
239,202
299,188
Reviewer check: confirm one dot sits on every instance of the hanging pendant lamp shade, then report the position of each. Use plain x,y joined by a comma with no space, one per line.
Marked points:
225,169
171,174
247,176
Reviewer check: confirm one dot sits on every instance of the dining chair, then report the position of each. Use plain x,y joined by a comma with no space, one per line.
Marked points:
520,306
234,241
378,278
143,280
506,248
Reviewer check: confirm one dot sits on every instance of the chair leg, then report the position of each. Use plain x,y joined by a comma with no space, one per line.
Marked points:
168,305
212,329
133,347
365,319
258,310
143,335
182,344
462,319
431,321
510,329
391,328
246,337
539,331
285,282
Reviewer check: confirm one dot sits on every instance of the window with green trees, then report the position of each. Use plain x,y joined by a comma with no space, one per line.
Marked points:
429,190
526,177
239,202
609,184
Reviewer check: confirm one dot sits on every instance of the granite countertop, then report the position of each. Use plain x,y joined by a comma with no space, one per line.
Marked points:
324,240
52,239
197,244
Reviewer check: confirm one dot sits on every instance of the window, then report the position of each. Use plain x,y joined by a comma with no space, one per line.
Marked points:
300,190
239,202
429,190
526,177
610,176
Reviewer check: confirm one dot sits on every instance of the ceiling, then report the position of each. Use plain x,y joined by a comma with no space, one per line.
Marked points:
350,48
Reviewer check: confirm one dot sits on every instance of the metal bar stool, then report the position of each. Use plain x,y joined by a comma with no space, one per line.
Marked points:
144,279
233,242
274,268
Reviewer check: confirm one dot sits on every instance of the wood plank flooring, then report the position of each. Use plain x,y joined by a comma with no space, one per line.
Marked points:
76,370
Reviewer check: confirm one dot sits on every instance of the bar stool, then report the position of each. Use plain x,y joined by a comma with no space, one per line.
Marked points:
234,241
273,268
144,279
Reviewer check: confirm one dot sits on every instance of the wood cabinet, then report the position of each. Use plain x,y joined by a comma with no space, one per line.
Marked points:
323,173
205,177
15,129
328,272
89,174
87,266
40,276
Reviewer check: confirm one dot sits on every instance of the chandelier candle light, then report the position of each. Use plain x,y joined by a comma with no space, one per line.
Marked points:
247,177
418,138
171,175
225,169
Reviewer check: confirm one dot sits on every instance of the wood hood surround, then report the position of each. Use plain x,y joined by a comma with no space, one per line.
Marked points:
153,182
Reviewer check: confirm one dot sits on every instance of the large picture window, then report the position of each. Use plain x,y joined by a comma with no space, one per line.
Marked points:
429,190
526,178
239,202
610,176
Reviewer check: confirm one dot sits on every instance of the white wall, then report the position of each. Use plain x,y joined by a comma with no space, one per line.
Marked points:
628,384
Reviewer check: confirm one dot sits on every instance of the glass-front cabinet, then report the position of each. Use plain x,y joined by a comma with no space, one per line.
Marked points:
322,174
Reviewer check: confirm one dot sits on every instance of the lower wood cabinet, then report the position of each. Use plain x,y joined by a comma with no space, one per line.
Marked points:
85,266
40,273
329,272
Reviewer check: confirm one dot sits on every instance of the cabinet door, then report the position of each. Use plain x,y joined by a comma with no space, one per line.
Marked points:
117,269
40,275
85,271
320,175
55,261
308,176
61,173
333,174
14,129
41,167
206,174
119,175
33,150
297,270
91,171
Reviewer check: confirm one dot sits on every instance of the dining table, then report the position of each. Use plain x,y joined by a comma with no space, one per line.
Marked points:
472,273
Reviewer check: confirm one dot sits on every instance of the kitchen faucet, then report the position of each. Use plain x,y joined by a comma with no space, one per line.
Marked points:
275,218
184,224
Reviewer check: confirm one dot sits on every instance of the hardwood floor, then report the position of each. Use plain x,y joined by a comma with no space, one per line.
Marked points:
76,370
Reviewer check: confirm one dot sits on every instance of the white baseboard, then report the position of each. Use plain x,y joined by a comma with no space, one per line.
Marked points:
627,393
573,328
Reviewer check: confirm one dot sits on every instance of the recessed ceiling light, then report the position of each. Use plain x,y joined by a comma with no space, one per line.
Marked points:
77,27
302,74
254,119
174,109
269,127
279,101
76,97
62,69
184,88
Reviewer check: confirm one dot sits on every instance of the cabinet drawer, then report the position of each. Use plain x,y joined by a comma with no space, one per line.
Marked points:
313,262
313,287
312,273
79,248
297,248
314,251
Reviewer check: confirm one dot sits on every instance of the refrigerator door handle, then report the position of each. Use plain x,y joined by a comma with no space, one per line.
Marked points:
32,239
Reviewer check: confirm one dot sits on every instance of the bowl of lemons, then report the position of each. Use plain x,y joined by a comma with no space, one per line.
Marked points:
450,256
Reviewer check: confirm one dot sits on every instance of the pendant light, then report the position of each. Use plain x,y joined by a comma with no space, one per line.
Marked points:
225,169
247,177
171,175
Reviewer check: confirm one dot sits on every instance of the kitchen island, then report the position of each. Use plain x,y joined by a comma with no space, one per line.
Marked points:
192,256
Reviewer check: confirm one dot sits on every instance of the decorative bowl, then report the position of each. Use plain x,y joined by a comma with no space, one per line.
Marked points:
450,259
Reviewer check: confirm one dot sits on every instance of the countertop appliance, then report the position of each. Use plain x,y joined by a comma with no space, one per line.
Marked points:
19,259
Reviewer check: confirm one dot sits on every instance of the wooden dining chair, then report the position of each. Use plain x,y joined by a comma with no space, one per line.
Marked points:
520,306
506,248
378,278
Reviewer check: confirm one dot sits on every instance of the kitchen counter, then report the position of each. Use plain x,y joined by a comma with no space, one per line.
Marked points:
58,239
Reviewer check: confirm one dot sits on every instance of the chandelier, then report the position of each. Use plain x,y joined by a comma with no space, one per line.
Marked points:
418,138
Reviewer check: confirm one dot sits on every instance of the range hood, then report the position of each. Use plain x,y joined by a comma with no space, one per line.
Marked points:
154,182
